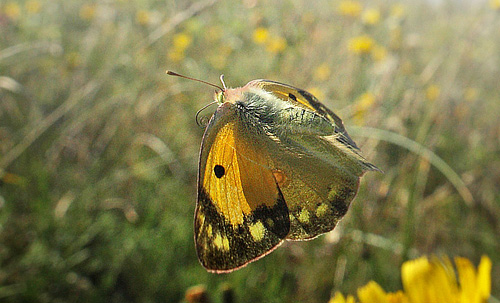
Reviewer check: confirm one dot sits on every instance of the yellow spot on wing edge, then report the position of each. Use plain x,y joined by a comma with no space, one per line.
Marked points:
221,242
257,230
303,216
209,230
321,210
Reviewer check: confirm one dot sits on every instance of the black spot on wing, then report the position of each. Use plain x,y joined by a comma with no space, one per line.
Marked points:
219,171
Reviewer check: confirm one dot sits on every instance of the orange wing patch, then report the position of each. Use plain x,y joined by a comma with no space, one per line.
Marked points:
240,182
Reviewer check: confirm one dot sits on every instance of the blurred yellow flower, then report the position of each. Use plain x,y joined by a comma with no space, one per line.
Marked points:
365,101
432,92
398,11
175,55
495,4
87,11
432,281
362,105
379,53
361,44
181,41
33,6
371,16
260,35
316,92
471,94
276,45
12,10
350,8
322,72
142,17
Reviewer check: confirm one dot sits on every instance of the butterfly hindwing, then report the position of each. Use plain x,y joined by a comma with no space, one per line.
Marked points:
241,213
319,171
317,192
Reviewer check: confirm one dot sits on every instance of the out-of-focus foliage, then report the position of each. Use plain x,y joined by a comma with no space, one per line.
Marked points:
98,147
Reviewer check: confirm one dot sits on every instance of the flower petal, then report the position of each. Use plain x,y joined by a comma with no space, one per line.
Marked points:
372,293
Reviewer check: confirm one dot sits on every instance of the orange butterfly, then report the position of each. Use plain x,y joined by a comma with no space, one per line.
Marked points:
275,164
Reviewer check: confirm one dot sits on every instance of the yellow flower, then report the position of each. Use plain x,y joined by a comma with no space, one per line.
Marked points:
475,285
339,298
322,72
175,55
495,4
12,10
372,293
87,11
432,92
470,94
428,281
361,44
260,35
397,297
379,53
142,17
33,6
276,45
365,101
350,8
433,281
362,105
371,16
398,11
181,41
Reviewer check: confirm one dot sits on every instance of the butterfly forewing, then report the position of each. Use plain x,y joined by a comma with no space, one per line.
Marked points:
241,213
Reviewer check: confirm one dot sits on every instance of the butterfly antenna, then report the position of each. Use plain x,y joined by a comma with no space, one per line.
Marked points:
171,73
199,111
223,83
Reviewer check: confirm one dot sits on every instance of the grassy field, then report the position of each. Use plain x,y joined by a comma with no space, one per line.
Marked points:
99,148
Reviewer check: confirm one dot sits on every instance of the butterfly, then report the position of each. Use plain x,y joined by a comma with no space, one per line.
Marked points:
275,164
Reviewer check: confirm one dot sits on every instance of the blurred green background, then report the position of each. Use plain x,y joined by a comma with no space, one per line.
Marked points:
98,147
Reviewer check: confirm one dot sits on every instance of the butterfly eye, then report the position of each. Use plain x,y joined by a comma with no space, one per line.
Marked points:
219,171
220,97
292,96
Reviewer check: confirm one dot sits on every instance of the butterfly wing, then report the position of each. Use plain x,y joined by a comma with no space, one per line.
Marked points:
241,213
317,190
319,174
